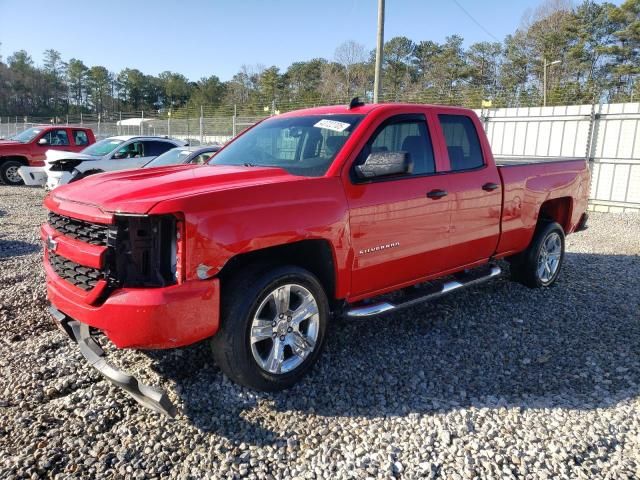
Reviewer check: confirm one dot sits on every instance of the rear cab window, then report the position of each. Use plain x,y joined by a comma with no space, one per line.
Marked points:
463,143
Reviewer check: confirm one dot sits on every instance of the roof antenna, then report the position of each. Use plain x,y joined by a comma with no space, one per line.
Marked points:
355,102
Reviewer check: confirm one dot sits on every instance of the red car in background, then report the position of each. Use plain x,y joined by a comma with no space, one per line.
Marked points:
28,148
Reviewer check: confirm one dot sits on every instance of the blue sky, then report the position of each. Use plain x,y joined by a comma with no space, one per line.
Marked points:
215,37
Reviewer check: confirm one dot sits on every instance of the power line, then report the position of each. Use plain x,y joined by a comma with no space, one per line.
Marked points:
475,21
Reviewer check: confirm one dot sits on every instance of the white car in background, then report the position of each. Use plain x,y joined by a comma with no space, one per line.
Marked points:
108,155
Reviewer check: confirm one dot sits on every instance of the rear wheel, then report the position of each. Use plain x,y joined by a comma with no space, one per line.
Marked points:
273,327
539,265
9,172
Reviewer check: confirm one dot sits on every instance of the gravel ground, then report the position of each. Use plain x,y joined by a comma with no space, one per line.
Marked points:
496,382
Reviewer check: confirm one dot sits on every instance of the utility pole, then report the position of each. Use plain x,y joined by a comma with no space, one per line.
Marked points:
544,81
379,51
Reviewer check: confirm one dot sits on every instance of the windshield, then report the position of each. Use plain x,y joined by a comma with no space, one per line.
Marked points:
101,148
28,135
301,145
170,157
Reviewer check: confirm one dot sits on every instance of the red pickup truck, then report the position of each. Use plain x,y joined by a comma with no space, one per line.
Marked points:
353,211
28,148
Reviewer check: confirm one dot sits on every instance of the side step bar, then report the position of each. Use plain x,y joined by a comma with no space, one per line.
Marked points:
449,286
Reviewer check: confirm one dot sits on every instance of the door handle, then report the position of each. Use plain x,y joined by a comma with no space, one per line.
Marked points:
489,187
436,194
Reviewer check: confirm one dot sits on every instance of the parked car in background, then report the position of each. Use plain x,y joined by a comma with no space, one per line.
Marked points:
108,155
184,155
28,148
310,214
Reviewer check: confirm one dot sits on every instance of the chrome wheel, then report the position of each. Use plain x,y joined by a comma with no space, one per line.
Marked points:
12,174
549,258
285,328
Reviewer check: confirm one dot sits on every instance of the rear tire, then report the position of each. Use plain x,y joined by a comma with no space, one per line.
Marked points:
9,172
539,266
273,324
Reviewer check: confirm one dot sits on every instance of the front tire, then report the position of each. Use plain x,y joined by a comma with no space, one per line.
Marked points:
539,265
9,172
272,329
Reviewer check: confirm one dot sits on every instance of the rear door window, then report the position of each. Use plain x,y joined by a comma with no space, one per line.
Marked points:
463,144
153,148
80,137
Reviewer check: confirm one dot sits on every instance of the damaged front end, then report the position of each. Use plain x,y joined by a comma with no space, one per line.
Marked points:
52,175
146,395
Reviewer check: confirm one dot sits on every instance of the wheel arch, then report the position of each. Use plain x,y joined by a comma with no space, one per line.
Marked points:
557,210
314,255
19,158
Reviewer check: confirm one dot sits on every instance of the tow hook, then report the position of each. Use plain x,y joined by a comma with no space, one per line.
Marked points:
145,395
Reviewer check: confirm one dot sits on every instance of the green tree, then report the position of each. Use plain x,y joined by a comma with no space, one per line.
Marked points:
98,85
398,66
76,79
176,89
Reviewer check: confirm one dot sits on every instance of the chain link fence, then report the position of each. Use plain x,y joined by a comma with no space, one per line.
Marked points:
606,135
199,130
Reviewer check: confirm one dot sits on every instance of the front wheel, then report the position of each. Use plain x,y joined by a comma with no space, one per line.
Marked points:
9,172
273,327
539,265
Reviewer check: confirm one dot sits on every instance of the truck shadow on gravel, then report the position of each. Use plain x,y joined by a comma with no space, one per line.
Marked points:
574,346
16,248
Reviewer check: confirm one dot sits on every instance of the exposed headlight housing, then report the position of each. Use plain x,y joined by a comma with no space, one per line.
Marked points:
145,251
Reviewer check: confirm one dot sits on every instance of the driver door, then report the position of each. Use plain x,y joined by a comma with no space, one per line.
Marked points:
129,155
55,139
399,230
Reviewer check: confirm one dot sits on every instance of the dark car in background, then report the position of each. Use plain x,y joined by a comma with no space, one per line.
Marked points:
184,155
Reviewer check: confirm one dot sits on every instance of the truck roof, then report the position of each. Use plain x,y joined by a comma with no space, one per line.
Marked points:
55,125
362,109
146,137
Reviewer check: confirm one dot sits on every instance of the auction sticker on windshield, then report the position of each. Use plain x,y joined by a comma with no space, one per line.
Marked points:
332,125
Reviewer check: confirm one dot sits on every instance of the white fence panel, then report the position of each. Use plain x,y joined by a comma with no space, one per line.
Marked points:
606,135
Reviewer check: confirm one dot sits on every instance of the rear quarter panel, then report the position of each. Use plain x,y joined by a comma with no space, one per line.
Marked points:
527,187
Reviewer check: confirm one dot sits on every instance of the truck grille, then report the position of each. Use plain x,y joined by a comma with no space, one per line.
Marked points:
82,277
93,233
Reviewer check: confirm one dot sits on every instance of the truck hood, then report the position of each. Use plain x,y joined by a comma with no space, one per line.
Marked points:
12,143
137,191
53,155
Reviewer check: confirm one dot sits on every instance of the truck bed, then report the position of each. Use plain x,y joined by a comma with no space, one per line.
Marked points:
516,161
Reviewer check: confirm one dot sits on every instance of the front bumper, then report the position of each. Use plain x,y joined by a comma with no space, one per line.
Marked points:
55,179
582,224
146,318
146,395
33,175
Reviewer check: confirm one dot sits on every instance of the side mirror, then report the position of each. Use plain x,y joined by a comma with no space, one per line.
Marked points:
382,164
43,141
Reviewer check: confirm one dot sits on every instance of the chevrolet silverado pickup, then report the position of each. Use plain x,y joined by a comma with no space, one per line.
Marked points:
352,211
28,148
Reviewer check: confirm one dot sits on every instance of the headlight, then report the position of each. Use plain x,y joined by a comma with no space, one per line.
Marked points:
64,165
